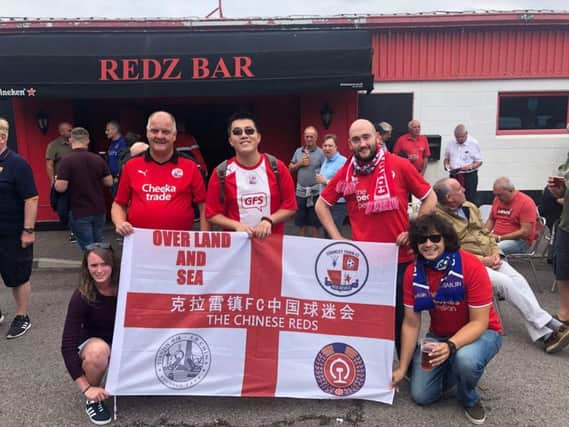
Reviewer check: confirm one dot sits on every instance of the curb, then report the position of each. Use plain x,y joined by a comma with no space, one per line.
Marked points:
56,263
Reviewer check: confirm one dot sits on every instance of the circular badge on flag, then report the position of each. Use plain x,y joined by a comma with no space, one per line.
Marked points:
177,173
341,269
339,370
182,361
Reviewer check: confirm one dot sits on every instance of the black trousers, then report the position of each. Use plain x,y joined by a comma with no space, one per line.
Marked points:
470,182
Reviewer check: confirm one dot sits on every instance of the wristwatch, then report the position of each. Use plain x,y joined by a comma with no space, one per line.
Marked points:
451,347
29,230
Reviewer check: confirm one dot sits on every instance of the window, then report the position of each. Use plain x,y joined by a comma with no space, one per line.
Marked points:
532,113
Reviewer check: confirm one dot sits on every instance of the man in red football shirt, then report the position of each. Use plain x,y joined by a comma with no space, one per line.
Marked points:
414,146
376,186
255,199
157,190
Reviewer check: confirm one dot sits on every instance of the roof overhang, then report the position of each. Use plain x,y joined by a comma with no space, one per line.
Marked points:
181,64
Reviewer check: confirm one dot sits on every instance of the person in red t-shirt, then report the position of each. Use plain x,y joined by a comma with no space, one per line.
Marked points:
513,218
454,287
157,190
254,199
414,146
376,186
186,143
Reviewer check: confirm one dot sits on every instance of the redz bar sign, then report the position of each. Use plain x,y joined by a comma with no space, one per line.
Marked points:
127,69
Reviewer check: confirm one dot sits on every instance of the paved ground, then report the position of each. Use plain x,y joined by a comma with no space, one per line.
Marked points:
522,385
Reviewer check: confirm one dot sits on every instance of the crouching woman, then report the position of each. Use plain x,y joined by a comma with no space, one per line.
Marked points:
453,286
88,330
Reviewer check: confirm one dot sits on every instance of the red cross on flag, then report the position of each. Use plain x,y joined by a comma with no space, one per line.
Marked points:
220,314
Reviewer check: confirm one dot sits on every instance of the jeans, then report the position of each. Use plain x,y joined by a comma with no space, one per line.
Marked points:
88,229
464,369
513,246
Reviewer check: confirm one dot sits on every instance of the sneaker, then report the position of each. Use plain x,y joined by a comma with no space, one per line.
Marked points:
72,238
20,325
557,340
1,317
475,414
97,412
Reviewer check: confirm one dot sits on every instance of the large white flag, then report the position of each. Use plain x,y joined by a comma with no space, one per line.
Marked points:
220,314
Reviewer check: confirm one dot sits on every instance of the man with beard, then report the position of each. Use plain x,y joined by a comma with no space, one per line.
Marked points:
376,186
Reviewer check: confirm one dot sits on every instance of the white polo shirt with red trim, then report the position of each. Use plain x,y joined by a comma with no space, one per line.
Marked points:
251,193
160,195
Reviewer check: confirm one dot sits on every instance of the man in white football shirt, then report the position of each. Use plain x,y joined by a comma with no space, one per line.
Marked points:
251,192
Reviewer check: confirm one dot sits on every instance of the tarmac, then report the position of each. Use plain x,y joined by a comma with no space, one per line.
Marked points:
522,385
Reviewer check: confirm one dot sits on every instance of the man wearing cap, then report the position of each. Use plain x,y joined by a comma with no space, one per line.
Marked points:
157,189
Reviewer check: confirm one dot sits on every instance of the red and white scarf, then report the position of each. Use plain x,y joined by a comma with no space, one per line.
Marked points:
381,185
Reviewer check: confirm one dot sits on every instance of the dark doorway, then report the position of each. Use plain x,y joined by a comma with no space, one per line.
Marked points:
206,122
394,108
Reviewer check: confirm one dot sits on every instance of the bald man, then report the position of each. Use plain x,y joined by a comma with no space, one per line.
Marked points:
414,146
56,149
376,200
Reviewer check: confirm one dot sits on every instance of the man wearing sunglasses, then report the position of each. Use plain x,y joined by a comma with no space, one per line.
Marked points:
475,238
376,186
157,189
306,163
255,198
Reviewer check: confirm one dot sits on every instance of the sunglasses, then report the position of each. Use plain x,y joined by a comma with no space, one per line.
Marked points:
239,131
435,238
98,245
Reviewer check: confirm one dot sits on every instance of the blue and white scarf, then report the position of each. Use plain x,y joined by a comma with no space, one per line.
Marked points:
451,288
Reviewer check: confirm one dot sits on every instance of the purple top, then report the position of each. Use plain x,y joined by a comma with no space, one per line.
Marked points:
86,321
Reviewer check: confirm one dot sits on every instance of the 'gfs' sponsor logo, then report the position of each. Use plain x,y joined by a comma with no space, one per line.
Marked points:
254,201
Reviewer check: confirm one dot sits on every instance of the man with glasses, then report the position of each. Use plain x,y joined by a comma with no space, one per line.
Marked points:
157,189
18,210
251,192
306,162
476,239
376,186
85,175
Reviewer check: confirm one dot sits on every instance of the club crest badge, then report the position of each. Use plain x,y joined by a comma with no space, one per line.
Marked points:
182,361
341,269
177,173
339,370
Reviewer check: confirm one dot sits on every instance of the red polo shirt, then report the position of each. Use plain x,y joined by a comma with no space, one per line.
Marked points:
419,147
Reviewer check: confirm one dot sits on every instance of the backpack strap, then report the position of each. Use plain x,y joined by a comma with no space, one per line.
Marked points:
221,172
275,167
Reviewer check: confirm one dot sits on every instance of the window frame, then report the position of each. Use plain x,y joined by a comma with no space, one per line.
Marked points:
530,131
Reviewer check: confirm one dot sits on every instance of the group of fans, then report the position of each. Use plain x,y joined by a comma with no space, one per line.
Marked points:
448,262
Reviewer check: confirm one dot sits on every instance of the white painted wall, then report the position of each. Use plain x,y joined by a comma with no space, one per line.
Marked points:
526,159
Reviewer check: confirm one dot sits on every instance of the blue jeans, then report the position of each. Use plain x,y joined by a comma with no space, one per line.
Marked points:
87,229
513,246
464,369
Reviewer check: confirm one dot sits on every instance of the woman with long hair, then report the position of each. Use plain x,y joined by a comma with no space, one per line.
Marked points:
465,331
88,330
